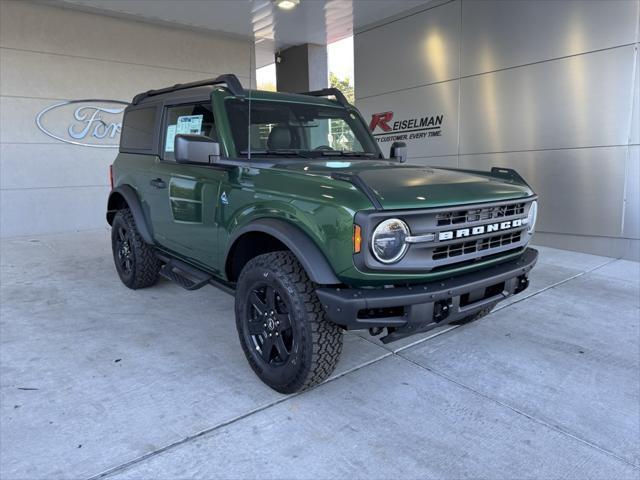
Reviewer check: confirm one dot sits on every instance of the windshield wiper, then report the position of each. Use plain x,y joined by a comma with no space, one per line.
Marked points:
308,153
278,152
343,153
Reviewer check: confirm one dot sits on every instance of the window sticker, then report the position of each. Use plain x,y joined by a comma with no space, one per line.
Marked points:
190,124
171,135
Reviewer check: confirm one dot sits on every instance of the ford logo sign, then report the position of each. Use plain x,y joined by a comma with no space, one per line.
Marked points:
90,123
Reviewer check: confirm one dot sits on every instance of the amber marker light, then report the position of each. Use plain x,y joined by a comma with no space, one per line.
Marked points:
357,238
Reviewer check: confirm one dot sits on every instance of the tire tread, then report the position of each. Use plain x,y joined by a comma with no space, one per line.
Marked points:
146,265
326,337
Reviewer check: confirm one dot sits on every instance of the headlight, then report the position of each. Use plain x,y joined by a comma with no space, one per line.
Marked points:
388,240
532,217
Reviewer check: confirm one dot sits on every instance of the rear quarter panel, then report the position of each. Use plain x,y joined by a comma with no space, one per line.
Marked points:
134,170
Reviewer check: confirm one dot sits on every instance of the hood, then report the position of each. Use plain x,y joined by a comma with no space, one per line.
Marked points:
403,186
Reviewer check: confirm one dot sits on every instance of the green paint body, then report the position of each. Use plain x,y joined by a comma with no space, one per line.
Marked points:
203,206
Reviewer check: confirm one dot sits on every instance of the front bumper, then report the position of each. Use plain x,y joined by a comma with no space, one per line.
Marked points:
413,309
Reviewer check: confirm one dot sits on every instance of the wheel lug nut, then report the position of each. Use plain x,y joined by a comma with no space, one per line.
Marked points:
264,324
277,334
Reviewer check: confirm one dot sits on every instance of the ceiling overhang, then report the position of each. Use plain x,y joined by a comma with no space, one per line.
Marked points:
272,29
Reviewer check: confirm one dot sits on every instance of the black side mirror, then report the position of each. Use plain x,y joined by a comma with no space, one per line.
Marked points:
398,151
196,149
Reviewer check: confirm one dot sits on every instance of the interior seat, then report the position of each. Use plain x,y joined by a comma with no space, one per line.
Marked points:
282,137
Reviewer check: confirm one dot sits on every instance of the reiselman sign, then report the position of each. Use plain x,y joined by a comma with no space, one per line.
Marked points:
89,123
386,129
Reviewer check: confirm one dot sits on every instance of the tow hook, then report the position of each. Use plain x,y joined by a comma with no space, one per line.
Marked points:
523,283
441,310
375,331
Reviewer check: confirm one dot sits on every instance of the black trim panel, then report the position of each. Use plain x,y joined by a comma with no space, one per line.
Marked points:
131,197
306,251
417,302
361,185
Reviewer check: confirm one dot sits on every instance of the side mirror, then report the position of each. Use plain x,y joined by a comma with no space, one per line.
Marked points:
398,151
196,149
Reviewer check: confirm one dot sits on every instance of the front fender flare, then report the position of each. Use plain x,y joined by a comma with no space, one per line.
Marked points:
306,251
132,200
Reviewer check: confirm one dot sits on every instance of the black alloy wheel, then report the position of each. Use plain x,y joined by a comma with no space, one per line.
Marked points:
281,324
136,262
269,325
124,255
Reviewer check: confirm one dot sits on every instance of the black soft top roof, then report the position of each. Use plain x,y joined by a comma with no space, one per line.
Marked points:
230,80
233,85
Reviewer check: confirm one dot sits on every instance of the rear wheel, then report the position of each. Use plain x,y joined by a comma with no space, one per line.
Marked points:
282,328
135,261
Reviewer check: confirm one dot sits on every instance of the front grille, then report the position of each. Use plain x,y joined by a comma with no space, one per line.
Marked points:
471,261
473,246
448,238
479,214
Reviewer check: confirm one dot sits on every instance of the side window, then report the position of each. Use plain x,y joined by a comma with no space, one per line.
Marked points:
138,129
195,119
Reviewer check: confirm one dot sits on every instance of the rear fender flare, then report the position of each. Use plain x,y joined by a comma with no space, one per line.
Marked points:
128,193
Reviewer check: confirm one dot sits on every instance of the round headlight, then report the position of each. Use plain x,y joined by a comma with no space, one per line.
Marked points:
532,216
388,240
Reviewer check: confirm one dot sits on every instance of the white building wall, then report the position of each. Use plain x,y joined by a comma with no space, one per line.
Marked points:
547,88
49,55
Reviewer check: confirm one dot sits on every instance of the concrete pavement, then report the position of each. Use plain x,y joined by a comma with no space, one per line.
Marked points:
98,380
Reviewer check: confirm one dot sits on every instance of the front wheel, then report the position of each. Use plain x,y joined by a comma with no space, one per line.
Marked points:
282,328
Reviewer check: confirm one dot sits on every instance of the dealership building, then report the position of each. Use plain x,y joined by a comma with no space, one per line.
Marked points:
558,101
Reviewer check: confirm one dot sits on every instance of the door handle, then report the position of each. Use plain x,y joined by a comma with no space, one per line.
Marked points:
158,183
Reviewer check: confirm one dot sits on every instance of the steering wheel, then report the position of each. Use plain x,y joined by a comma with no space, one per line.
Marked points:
323,147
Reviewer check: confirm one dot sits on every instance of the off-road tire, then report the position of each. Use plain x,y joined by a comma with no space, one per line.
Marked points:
316,344
144,265
476,316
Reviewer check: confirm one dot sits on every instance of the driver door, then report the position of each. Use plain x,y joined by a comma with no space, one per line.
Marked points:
185,197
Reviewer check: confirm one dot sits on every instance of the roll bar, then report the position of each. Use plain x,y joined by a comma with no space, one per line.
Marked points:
330,92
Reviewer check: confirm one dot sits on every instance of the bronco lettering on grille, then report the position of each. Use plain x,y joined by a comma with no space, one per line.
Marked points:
480,229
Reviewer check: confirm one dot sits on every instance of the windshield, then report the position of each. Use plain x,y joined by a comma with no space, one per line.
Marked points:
297,129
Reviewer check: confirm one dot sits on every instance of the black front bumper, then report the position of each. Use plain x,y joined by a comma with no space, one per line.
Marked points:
418,308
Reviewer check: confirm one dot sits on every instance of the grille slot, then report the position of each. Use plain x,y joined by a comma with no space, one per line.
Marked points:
479,214
472,246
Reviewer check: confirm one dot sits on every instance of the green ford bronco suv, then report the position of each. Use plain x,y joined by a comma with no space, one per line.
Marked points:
286,201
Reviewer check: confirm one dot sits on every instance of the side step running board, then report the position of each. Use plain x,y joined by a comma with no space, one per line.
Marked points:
188,276
187,281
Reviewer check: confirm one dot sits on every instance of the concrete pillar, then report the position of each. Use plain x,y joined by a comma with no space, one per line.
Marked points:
302,68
